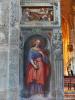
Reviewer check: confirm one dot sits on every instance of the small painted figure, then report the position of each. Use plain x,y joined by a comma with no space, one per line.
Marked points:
70,71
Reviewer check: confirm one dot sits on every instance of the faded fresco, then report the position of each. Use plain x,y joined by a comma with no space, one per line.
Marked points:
37,71
36,66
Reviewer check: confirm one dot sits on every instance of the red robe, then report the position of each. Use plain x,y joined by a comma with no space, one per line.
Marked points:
40,75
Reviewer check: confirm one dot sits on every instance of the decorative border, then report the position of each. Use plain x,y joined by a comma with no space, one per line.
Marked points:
34,1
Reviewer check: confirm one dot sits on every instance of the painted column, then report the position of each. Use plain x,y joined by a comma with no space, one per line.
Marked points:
58,64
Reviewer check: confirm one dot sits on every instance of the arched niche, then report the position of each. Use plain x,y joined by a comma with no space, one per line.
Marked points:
25,41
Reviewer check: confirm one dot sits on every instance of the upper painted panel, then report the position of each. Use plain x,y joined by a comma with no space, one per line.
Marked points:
40,15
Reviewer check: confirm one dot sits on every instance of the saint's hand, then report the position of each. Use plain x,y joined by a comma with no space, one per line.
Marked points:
36,67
